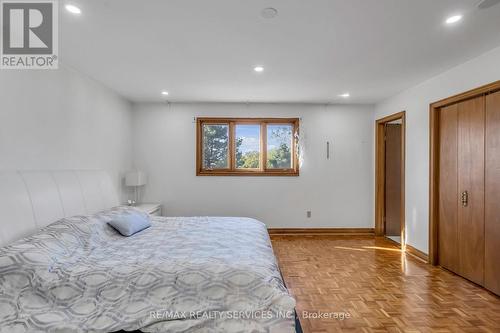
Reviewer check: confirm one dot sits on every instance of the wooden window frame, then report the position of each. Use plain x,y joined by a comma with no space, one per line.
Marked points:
232,170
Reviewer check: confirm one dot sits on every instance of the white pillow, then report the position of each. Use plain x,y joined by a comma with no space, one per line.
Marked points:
130,222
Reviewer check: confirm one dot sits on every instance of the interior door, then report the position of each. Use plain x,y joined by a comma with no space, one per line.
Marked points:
492,191
393,179
471,130
448,190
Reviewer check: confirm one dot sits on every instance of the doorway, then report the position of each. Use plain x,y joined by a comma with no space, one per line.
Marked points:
389,178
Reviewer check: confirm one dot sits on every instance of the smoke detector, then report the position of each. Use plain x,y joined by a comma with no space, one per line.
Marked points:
484,4
269,13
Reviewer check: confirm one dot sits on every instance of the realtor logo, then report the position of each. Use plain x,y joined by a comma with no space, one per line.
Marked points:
29,34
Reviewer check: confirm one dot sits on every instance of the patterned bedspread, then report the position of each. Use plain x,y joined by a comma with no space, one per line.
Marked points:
194,274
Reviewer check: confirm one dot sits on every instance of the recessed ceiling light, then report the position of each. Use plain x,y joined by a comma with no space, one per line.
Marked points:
258,69
453,19
73,9
345,95
164,93
269,13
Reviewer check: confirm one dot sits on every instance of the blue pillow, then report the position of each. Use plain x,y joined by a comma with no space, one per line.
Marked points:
130,223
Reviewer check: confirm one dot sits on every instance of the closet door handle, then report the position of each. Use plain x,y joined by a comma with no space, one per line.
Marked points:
465,198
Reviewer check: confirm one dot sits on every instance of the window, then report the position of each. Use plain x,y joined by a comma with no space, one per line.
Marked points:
248,150
216,146
247,147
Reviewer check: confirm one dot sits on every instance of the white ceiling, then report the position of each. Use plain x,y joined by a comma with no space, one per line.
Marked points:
314,50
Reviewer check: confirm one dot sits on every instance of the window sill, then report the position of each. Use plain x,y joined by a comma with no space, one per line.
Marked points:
277,173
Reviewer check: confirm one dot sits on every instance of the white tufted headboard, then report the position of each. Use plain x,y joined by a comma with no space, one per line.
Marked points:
30,200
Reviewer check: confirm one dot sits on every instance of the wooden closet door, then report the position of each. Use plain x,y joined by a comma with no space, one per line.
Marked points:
471,131
448,190
492,195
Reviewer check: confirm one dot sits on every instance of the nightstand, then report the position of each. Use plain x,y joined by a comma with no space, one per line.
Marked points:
150,208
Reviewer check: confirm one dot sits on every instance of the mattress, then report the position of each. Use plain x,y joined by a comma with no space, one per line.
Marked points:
183,274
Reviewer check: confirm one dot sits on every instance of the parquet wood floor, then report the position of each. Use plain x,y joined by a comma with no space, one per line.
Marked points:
382,289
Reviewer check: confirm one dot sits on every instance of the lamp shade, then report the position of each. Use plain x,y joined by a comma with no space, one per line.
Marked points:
135,178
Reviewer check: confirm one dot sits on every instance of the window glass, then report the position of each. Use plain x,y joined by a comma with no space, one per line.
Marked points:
279,146
215,146
247,146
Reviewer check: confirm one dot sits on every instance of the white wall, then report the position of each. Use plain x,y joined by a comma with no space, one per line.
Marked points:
339,191
60,119
479,71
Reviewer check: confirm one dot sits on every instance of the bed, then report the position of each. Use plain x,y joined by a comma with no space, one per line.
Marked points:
184,274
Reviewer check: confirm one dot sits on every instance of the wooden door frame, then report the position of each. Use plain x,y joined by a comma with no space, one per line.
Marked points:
434,143
380,173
